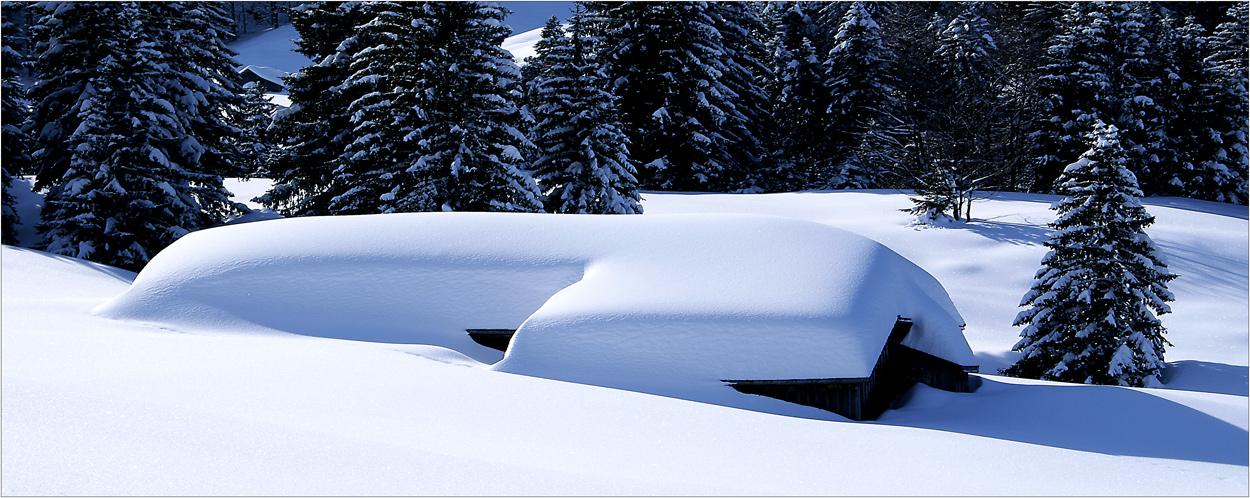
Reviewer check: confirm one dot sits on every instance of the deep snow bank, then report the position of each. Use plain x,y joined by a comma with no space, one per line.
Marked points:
639,302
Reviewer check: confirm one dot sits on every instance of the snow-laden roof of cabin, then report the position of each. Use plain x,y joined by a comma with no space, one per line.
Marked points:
266,73
621,301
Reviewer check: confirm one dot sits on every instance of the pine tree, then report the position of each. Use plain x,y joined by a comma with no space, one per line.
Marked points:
1097,70
583,163
117,151
802,150
316,128
1092,310
859,81
16,143
384,74
470,149
257,146
1195,120
667,61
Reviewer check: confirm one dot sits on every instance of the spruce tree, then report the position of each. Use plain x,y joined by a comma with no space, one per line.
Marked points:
16,143
117,151
583,164
860,82
470,150
666,61
802,151
747,75
193,37
316,129
1091,314
1096,69
384,74
1196,120
535,67
1229,50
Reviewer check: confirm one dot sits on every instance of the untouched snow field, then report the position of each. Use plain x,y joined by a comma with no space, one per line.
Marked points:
101,406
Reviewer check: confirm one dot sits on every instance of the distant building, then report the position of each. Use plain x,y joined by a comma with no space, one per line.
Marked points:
268,77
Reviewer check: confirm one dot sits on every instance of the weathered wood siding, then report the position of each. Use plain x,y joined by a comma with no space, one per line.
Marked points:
897,369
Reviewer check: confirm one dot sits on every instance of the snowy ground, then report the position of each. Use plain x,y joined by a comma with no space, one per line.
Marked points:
95,406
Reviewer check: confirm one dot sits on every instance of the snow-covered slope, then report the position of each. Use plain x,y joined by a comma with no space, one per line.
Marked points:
521,45
271,49
146,408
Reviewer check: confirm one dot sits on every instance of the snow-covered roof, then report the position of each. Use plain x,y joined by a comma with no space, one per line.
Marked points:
266,73
623,301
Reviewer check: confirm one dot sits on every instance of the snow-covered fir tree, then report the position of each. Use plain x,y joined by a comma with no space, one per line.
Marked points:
315,130
747,75
1091,314
470,149
1230,49
117,145
667,61
535,67
384,74
256,144
1196,120
16,143
193,35
582,162
802,152
859,80
1096,69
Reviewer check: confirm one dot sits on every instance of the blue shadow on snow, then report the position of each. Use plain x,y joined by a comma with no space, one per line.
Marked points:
1101,419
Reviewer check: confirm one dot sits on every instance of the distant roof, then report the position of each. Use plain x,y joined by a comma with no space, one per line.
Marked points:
268,74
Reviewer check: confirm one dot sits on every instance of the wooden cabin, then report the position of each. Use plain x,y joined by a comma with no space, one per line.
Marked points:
858,398
898,368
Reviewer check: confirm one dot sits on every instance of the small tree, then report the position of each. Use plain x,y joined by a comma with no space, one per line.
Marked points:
254,116
1090,316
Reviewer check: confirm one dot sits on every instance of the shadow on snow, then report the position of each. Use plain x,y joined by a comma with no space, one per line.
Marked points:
1101,419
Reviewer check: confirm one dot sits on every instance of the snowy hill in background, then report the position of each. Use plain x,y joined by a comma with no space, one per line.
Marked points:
274,48
521,45
139,407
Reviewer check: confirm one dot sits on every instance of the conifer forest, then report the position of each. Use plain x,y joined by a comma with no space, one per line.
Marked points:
129,114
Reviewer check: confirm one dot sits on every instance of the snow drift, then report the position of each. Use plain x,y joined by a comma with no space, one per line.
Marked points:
643,303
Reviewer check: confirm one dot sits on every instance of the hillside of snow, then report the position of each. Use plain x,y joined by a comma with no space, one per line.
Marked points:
146,407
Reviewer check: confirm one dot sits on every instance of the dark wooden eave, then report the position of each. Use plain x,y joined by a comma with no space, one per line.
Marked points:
492,338
865,398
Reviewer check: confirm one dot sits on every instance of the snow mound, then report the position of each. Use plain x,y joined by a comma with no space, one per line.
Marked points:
636,302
